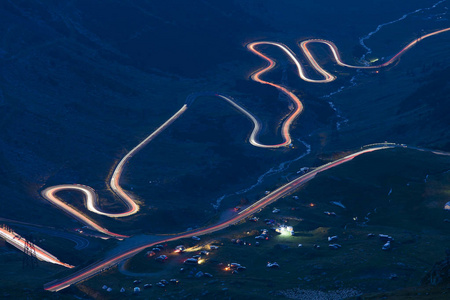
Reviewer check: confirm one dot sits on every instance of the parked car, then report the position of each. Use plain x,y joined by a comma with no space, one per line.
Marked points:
161,258
180,249
191,261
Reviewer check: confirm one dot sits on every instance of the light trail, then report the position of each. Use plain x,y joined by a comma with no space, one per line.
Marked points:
19,242
132,207
337,58
115,178
282,191
91,198
91,201
301,73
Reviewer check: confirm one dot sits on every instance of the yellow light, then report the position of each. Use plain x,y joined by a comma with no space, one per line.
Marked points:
200,261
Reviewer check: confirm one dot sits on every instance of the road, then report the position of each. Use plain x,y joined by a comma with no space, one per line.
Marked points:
304,46
19,242
91,203
132,207
270,198
91,199
80,242
335,52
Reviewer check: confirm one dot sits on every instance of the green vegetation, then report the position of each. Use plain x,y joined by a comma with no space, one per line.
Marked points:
412,214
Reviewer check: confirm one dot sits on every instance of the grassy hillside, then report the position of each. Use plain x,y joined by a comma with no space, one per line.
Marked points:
412,214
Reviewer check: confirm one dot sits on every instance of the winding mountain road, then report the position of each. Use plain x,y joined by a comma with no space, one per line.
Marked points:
131,206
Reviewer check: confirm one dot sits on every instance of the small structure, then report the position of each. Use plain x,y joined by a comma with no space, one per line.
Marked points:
273,265
447,206
333,238
385,237
330,213
386,246
199,274
334,246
